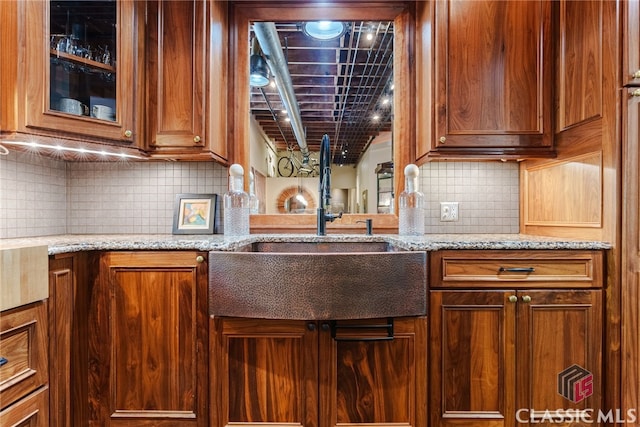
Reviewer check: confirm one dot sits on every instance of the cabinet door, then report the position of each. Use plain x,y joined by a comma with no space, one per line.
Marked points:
631,43
493,78
148,340
176,74
472,358
559,350
581,64
79,70
369,380
264,373
187,80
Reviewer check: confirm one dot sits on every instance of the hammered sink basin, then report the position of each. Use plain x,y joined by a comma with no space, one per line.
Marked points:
317,281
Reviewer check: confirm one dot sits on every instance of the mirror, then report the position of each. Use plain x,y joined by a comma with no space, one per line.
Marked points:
336,83
244,15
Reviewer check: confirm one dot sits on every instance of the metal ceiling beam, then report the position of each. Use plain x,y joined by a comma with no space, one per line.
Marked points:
267,35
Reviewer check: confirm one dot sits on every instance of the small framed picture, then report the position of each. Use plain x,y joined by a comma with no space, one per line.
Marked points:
194,214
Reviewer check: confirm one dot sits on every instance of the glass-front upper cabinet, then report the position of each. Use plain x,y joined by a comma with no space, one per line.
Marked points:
83,52
81,70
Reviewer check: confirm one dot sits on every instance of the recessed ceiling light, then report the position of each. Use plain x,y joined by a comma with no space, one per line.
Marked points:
324,30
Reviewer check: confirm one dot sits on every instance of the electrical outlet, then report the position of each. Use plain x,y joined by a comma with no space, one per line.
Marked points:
448,211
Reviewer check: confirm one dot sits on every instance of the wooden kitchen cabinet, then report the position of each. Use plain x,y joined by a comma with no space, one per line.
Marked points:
148,340
573,195
161,76
630,278
73,75
498,349
186,47
271,372
492,79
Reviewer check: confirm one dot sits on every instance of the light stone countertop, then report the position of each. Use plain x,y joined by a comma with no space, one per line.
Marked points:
60,244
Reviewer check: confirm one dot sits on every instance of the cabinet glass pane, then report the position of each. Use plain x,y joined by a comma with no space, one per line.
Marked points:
83,58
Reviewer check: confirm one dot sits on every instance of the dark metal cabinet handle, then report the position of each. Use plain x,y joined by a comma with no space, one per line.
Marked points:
3,361
388,327
516,269
365,339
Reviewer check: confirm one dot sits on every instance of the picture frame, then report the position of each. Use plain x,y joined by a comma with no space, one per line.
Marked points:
194,213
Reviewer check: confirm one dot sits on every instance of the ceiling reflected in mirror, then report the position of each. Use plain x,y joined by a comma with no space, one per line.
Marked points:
343,87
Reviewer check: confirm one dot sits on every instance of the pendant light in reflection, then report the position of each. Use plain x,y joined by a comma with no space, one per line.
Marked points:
259,71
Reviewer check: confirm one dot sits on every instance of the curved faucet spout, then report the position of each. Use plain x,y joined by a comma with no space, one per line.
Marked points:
325,187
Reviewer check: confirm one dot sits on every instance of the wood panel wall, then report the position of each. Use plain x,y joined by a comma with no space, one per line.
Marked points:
552,202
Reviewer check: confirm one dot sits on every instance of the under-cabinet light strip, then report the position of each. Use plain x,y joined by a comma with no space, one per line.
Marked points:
81,151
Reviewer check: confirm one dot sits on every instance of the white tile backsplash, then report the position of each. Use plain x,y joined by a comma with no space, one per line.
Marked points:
33,195
40,196
135,197
487,194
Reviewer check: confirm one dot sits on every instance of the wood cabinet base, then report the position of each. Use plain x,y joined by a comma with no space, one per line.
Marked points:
148,340
497,351
274,373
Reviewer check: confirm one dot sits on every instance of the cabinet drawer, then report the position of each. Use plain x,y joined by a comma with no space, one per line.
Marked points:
497,268
32,411
23,345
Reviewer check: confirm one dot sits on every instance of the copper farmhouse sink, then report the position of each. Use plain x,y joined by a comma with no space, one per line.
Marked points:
317,280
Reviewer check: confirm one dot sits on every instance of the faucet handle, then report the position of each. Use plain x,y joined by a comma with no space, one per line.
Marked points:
331,217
